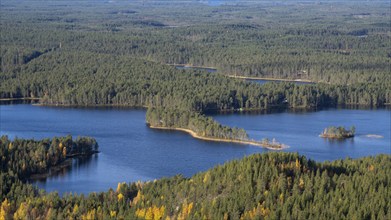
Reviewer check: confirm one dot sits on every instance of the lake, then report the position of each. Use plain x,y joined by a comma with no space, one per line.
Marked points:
209,70
130,151
213,2
259,81
263,81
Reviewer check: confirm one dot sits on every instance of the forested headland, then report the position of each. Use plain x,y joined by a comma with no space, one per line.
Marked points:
25,157
266,186
202,127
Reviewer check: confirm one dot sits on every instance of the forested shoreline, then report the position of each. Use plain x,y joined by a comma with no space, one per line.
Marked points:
25,157
269,185
120,57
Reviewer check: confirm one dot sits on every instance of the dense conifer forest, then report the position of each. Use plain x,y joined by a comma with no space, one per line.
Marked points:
61,53
121,53
26,157
261,186
65,53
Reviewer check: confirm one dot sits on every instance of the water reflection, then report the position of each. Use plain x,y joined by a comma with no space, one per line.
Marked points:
71,165
338,141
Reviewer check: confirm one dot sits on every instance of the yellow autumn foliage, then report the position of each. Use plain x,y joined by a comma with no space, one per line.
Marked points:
75,209
137,198
113,214
256,212
64,152
206,178
120,197
21,213
91,214
5,210
298,165
282,198
151,213
140,213
301,183
119,186
186,210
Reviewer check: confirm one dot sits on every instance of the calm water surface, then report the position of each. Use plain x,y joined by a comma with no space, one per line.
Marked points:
262,81
209,70
130,151
301,131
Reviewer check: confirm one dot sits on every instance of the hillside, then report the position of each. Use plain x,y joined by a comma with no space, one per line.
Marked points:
270,186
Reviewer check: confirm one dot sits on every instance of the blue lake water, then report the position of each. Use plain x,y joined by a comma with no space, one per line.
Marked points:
130,151
262,81
213,2
210,70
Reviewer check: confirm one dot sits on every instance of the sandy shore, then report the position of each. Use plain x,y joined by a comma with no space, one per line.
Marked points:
373,136
193,134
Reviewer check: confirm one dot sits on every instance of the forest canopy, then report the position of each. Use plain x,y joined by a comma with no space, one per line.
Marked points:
121,53
260,186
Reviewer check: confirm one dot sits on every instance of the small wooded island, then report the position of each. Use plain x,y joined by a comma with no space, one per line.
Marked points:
338,132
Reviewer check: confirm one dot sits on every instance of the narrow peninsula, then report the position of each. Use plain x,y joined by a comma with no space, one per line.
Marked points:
36,159
202,127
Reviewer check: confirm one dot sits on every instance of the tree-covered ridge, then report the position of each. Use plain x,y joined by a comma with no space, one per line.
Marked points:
261,186
338,132
203,126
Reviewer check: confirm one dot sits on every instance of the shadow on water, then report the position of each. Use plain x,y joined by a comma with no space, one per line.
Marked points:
338,141
14,102
285,109
73,165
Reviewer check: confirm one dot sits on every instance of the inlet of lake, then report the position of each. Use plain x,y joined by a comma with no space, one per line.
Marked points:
259,81
130,151
184,67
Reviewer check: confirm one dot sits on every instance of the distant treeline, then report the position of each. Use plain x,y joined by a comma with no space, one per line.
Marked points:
347,46
83,78
307,41
261,186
